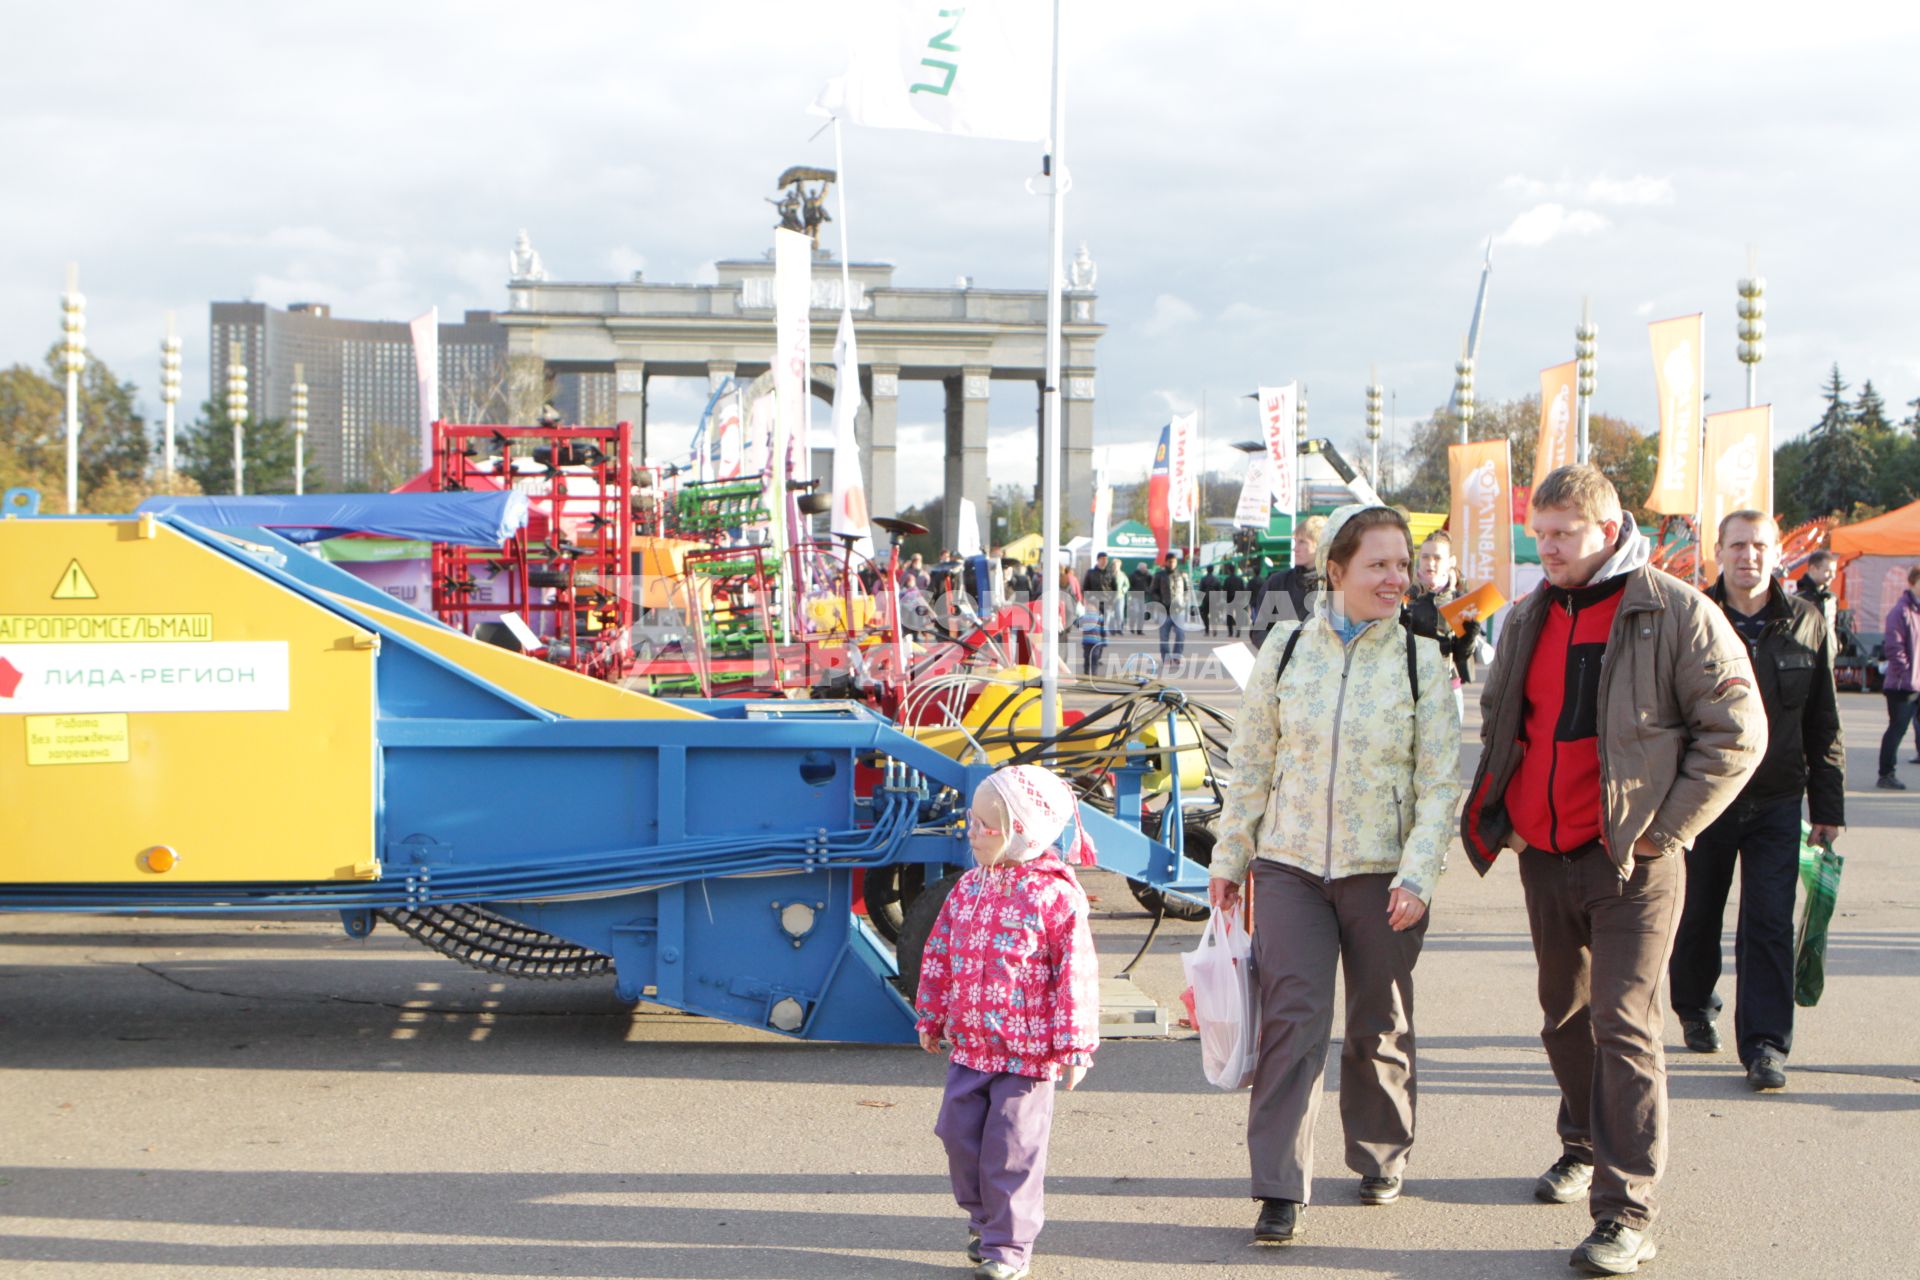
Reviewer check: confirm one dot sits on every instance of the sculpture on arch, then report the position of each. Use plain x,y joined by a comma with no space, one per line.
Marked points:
801,209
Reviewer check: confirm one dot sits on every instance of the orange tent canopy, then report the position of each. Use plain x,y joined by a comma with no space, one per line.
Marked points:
1896,533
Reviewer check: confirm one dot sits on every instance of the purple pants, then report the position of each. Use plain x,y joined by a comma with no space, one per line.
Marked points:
995,1127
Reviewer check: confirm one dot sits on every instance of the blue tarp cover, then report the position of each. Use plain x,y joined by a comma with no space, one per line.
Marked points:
468,519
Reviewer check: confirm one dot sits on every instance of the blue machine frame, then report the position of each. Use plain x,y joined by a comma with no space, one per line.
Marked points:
713,860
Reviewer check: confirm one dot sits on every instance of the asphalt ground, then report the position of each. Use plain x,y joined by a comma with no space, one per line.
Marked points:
186,1098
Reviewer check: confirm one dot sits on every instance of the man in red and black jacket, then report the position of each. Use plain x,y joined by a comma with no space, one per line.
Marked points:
1792,654
1619,720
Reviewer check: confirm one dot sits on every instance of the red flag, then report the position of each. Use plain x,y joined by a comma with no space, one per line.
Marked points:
1159,519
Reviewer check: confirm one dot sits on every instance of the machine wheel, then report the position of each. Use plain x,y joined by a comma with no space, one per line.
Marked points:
889,891
1199,848
916,926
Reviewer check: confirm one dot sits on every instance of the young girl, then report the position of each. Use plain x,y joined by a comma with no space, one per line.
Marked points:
1009,984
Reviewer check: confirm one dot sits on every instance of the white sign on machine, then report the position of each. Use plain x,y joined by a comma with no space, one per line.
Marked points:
221,675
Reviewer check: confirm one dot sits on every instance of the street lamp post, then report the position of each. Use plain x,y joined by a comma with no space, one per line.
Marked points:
299,428
1463,392
237,414
169,392
1753,330
1586,350
1376,396
73,358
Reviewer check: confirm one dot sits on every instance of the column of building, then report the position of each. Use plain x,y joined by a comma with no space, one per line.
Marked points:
967,452
883,402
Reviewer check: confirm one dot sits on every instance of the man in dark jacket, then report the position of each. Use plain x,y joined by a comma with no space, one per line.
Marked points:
1211,604
1137,584
1619,720
1233,588
1287,594
1792,654
1171,595
1098,587
1814,588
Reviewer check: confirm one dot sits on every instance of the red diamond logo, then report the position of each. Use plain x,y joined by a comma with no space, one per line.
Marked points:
9,678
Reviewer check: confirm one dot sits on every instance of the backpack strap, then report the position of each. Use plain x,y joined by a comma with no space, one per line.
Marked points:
1413,665
1286,654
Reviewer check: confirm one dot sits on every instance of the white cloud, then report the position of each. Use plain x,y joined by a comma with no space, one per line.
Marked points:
1534,188
1550,221
1169,313
1639,189
1644,309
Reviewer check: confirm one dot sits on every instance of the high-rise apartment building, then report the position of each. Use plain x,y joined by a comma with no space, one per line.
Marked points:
362,391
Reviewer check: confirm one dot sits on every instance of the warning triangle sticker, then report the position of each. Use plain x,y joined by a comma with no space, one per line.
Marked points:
75,584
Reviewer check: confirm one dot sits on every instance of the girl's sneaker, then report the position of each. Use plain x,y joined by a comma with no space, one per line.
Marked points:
973,1247
1000,1271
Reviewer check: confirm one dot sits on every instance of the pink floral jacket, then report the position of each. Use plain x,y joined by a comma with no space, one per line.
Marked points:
1009,978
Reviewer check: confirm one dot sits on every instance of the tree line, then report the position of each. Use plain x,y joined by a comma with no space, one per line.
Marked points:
120,458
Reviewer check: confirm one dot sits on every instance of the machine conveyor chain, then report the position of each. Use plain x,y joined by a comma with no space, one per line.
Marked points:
490,943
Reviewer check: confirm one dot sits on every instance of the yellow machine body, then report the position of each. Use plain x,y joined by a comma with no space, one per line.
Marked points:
165,712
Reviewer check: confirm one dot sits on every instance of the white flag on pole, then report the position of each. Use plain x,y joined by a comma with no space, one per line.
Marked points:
757,451
979,70
1278,429
792,340
968,543
1102,503
1256,498
728,444
850,517
1183,458
426,367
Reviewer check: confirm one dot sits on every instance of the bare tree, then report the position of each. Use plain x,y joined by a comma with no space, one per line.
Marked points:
529,385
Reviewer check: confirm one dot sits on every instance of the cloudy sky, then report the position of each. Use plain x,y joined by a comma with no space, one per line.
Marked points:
1271,190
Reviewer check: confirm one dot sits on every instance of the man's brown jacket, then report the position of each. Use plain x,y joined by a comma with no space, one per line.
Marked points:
1680,722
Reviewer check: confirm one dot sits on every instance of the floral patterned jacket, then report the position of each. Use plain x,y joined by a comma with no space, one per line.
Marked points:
1337,771
1009,978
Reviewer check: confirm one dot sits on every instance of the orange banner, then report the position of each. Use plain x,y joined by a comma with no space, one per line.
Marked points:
1482,513
1558,440
1677,374
1739,474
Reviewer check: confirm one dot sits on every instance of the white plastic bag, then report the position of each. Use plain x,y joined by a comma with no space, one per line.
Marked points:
1225,1001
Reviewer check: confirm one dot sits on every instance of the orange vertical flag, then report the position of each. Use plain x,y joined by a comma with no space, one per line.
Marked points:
1482,513
1677,373
1558,443
1739,471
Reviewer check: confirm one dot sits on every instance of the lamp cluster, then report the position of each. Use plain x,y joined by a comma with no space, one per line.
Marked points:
1463,393
73,324
1753,325
1586,350
170,369
236,388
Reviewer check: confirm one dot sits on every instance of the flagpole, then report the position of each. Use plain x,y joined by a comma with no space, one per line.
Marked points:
1054,169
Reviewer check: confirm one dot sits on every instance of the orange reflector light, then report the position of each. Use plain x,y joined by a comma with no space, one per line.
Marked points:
161,858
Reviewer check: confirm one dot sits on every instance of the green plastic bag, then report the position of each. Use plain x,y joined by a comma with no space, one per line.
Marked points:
1820,878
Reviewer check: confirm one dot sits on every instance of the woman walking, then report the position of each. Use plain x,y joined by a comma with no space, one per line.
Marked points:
1338,820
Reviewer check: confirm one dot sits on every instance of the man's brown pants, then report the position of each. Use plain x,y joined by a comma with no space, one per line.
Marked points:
1303,927
1602,944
